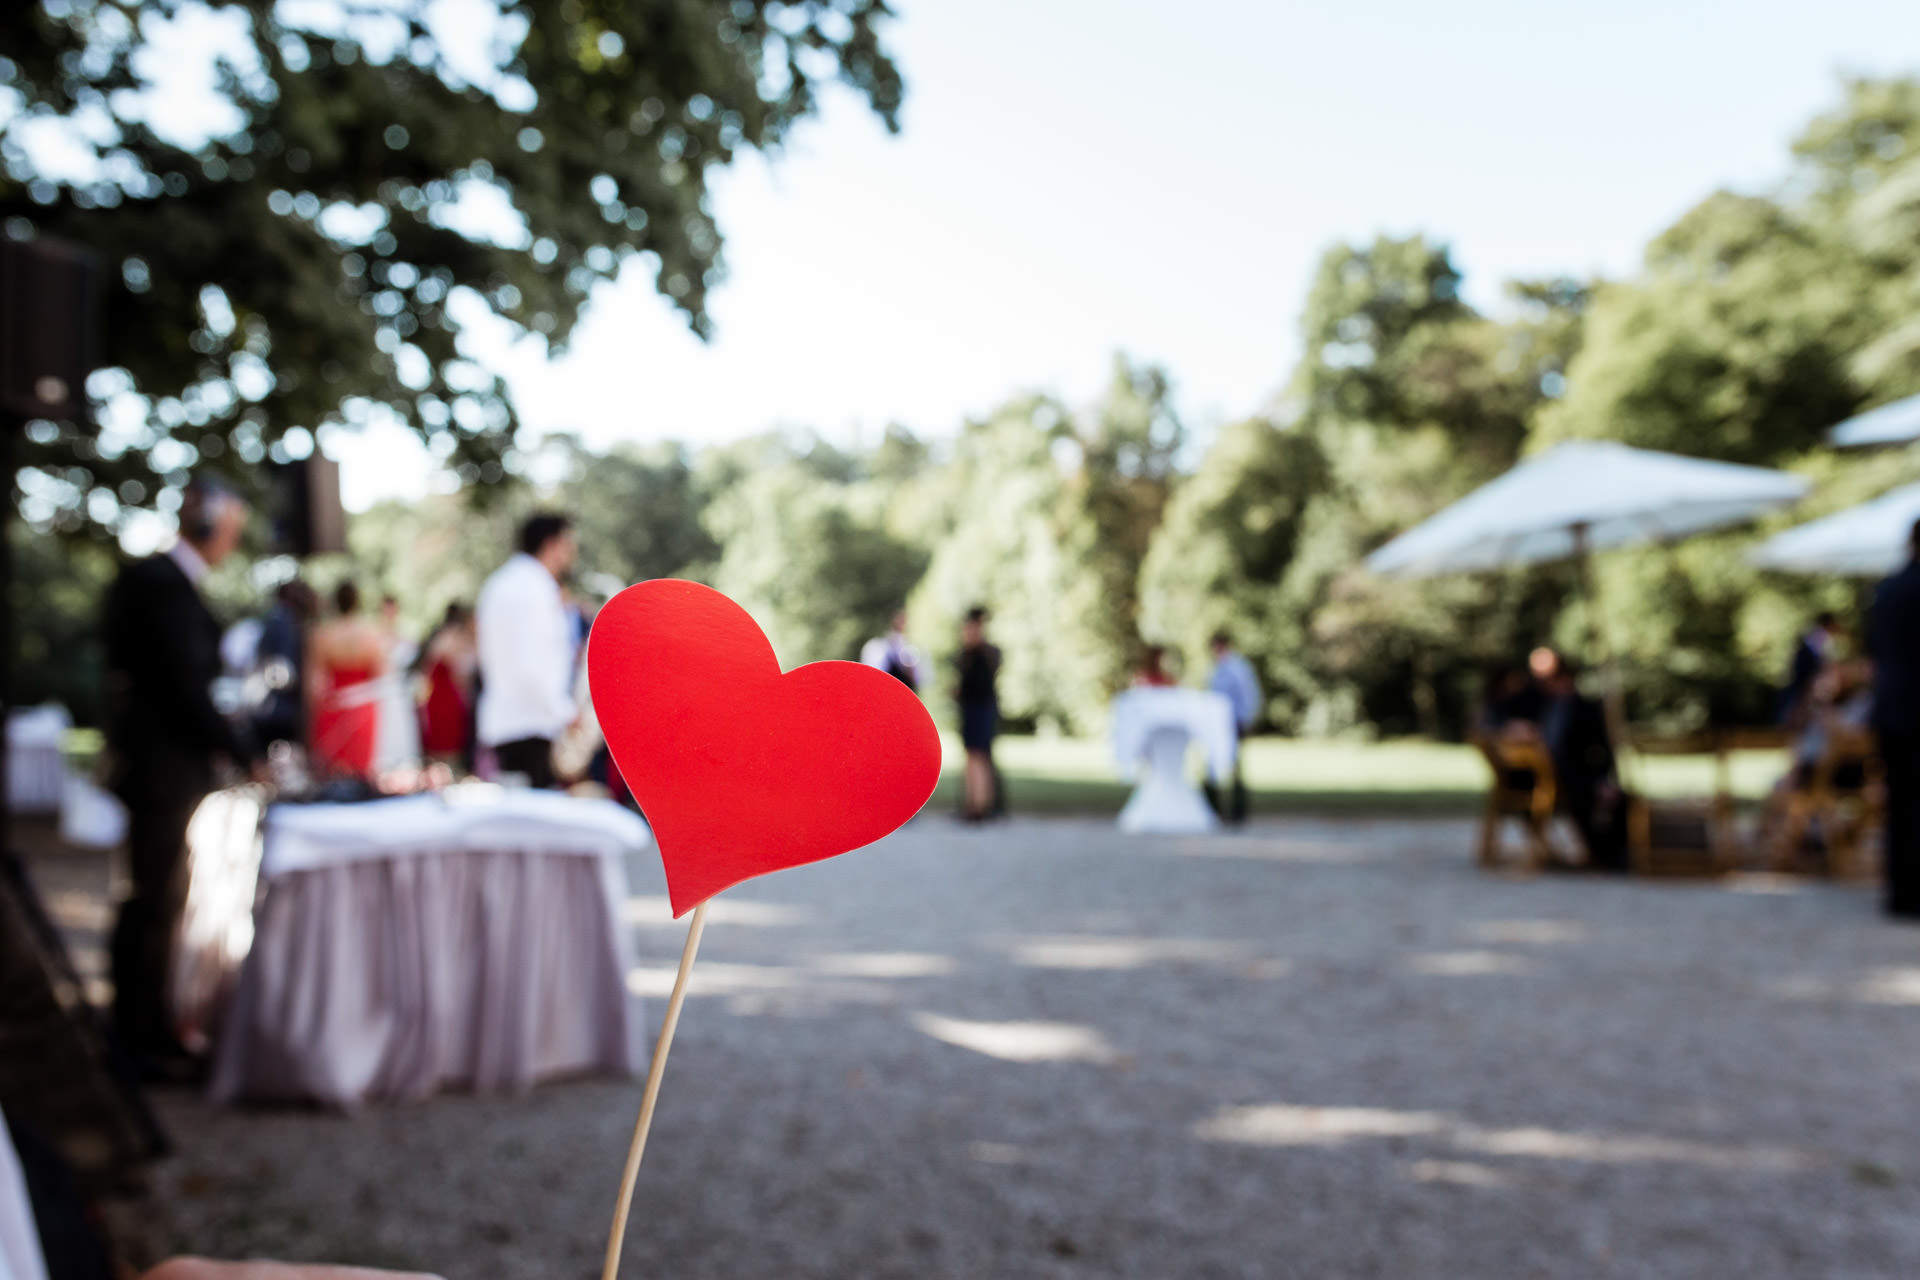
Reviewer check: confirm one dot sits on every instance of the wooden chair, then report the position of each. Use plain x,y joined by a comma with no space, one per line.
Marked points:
1844,793
1523,787
1691,836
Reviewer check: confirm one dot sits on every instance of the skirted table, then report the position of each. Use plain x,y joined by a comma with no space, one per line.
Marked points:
1152,731
467,939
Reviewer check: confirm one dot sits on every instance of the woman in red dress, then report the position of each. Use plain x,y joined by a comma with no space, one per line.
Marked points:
1153,669
345,658
446,719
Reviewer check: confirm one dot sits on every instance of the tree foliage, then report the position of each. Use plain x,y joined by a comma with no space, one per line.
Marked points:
376,181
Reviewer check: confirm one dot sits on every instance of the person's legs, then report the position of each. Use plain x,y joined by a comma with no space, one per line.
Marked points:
532,758
1237,807
979,785
142,945
1901,756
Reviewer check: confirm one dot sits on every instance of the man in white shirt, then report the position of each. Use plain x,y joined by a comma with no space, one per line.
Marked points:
1233,677
526,644
893,655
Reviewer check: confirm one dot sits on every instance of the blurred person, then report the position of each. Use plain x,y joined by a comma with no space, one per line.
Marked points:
526,642
1233,678
1839,705
162,654
892,654
449,662
281,663
346,659
1812,652
979,667
1153,669
1574,729
1893,644
1510,699
397,738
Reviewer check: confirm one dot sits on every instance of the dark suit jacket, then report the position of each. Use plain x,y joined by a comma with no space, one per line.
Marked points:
1893,642
1807,663
1582,750
163,653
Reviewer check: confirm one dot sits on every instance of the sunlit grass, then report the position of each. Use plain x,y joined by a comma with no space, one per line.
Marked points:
1076,775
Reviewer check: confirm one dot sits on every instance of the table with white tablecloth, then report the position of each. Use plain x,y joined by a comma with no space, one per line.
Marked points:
469,939
1153,728
36,771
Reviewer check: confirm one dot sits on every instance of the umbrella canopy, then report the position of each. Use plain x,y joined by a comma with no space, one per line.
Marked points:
1889,424
1585,495
1867,540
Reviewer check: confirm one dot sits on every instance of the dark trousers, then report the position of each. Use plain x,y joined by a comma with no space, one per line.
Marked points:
1234,809
532,757
142,947
1601,823
1901,755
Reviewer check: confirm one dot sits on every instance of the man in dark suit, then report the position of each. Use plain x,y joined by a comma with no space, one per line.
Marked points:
163,652
1810,657
1574,728
1893,642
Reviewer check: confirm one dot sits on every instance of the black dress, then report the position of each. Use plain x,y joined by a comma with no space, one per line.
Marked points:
979,704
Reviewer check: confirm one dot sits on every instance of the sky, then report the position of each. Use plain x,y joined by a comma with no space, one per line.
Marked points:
1079,177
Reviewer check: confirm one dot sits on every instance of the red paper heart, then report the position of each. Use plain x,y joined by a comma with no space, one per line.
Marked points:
739,769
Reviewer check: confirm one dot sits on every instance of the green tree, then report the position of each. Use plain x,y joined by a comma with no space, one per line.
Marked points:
1412,399
309,260
1231,532
638,510
1010,531
1127,446
817,571
1733,344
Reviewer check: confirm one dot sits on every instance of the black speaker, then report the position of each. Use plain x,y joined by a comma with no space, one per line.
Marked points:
303,506
49,328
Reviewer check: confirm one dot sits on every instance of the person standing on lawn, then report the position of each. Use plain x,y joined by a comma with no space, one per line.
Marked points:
979,665
1234,679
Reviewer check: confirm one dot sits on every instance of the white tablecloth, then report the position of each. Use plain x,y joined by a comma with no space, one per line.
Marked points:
1154,728
35,771
470,939
20,1255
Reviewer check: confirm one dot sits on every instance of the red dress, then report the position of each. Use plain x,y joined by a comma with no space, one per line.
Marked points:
444,719
346,723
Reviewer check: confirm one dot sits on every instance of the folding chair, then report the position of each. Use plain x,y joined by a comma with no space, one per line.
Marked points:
1523,787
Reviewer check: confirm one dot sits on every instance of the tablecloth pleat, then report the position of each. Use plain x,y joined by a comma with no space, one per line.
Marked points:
392,979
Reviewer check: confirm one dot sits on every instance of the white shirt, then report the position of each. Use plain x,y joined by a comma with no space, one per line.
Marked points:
526,654
889,650
1233,676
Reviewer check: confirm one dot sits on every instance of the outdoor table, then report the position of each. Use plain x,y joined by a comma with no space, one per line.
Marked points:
36,773
20,1256
1155,727
468,939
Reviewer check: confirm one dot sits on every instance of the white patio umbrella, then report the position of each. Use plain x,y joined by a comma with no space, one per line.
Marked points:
1889,424
1864,541
1577,498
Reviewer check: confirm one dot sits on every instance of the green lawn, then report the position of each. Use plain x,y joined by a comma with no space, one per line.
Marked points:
1073,775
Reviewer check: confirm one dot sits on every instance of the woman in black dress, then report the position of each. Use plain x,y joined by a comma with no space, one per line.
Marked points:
979,664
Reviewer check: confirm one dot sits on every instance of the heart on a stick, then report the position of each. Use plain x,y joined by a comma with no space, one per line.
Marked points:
742,769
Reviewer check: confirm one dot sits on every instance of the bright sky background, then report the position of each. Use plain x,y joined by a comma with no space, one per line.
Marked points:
1080,176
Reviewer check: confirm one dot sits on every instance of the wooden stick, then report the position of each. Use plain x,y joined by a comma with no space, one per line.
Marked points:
651,1095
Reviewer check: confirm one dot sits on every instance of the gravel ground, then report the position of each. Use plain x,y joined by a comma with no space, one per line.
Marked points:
1042,1049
